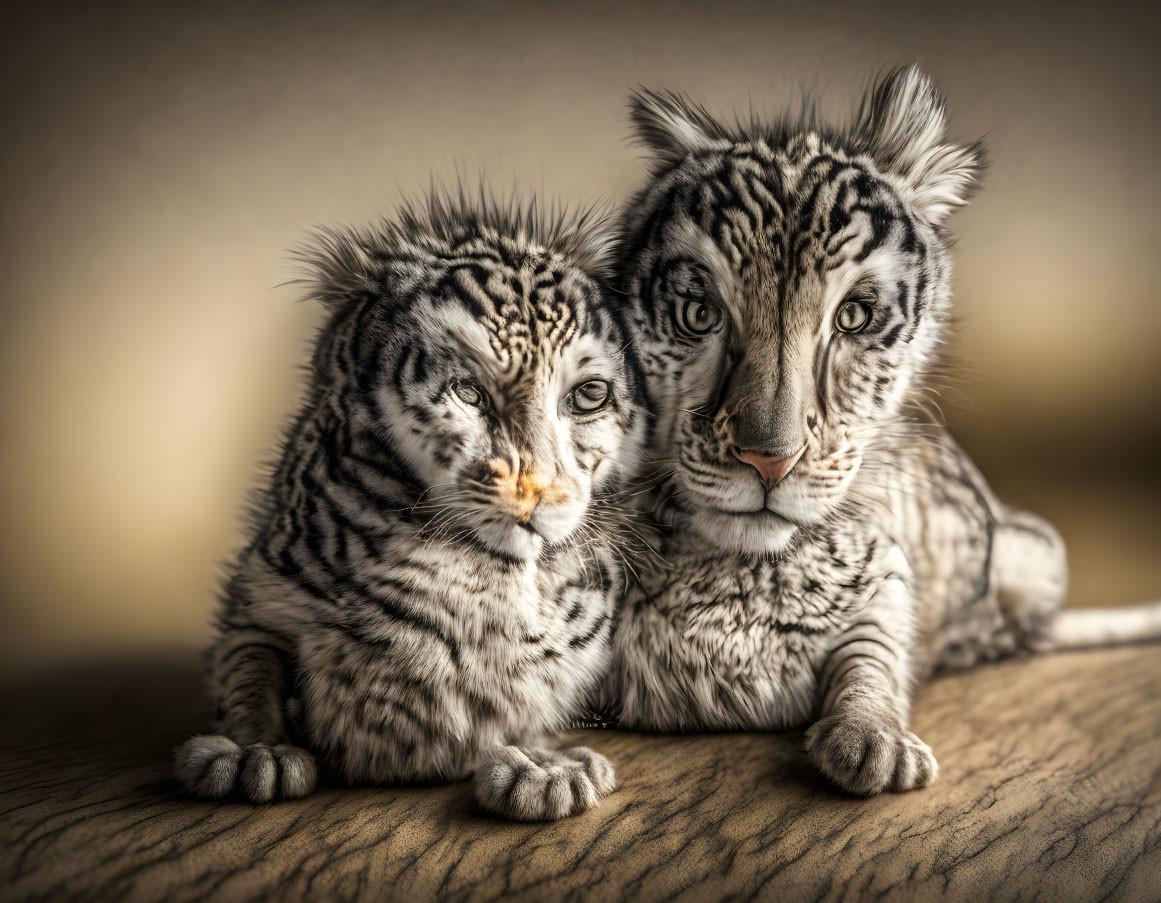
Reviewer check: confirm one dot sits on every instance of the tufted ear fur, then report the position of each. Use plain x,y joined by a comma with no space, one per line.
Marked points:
337,265
901,124
671,125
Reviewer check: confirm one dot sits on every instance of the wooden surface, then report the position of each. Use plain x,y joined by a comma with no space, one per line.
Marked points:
1050,789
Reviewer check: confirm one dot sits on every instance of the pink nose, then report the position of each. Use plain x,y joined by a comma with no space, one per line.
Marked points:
771,470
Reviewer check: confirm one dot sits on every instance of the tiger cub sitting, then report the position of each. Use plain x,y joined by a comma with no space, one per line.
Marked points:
430,575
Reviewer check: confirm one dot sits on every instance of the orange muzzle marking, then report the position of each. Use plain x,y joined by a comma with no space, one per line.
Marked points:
529,490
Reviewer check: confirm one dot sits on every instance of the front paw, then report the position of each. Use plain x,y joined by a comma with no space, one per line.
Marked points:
865,751
215,767
529,784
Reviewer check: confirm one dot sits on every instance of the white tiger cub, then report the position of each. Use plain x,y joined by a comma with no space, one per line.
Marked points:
789,284
430,577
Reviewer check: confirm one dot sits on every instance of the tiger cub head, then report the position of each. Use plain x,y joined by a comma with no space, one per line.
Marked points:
789,283
473,347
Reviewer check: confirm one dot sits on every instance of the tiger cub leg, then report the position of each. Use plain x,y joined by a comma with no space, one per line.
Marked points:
252,756
373,719
535,784
1031,573
861,740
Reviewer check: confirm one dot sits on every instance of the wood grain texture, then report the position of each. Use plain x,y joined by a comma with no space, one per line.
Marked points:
1050,789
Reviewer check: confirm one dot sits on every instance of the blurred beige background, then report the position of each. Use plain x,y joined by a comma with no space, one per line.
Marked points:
156,164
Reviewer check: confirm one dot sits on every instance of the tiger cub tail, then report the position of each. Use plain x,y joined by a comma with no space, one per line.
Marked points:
1085,628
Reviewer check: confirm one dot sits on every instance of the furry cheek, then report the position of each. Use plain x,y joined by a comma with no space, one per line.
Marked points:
557,521
818,486
593,448
437,442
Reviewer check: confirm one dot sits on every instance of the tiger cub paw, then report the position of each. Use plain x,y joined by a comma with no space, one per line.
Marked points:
215,767
528,784
865,751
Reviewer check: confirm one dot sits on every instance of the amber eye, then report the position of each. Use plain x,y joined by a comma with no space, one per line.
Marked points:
589,396
469,393
852,316
699,317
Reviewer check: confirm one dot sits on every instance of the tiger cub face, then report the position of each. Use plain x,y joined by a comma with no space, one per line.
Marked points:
789,286
493,371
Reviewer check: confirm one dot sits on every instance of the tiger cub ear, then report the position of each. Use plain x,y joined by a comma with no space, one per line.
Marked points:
901,124
337,265
671,125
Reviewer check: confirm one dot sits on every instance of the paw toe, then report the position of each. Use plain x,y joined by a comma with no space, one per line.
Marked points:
259,774
526,797
915,766
218,778
207,766
876,767
496,778
596,767
558,795
298,772
584,792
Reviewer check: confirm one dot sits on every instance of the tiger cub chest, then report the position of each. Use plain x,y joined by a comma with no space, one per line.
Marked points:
717,642
545,641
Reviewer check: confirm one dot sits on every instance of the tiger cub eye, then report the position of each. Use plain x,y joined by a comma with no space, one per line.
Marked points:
852,316
590,396
469,393
699,317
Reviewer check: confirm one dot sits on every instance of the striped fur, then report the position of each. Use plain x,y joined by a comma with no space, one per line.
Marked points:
882,555
432,569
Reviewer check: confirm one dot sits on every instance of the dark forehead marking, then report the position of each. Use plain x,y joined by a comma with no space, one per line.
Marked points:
543,304
712,196
752,194
820,204
742,198
736,183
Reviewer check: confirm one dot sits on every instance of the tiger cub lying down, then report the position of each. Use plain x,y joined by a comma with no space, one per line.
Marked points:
788,285
430,576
